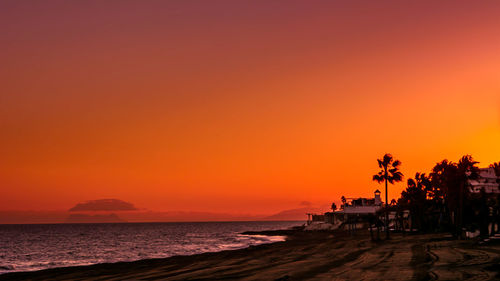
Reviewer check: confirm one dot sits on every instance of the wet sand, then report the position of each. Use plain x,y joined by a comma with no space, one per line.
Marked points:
308,256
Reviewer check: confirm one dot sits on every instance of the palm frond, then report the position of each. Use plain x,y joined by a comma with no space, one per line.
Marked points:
496,167
393,170
397,176
378,178
411,182
387,159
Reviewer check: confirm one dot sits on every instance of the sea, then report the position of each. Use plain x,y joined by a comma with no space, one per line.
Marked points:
42,246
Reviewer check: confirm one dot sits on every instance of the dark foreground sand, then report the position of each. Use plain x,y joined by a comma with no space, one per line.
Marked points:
309,256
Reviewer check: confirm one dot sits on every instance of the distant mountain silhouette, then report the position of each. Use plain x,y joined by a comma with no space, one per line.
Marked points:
89,215
294,214
179,216
103,205
101,218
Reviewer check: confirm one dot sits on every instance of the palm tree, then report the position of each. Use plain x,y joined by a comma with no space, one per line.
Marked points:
467,170
389,173
444,183
414,198
496,217
496,167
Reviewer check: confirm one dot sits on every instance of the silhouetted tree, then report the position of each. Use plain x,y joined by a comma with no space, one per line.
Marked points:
496,201
389,173
443,178
443,181
334,206
466,170
343,201
443,199
414,198
496,167
449,184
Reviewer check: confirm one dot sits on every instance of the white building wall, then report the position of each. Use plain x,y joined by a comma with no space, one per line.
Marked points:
487,181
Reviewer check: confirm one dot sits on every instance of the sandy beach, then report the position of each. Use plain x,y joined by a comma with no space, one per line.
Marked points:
308,256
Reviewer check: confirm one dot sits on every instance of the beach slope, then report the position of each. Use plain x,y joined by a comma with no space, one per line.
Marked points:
308,256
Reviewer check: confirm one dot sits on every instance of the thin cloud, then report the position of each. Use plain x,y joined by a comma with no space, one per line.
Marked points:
306,203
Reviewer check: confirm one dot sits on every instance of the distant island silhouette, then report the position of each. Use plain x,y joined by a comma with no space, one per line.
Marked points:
99,218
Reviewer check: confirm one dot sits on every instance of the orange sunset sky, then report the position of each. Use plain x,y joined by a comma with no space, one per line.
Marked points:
239,106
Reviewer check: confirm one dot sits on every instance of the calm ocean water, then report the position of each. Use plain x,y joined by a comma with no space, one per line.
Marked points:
35,247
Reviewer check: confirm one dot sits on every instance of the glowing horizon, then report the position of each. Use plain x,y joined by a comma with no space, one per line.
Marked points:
239,107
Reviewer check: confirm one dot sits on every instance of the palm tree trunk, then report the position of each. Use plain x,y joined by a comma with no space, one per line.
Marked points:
386,208
460,211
